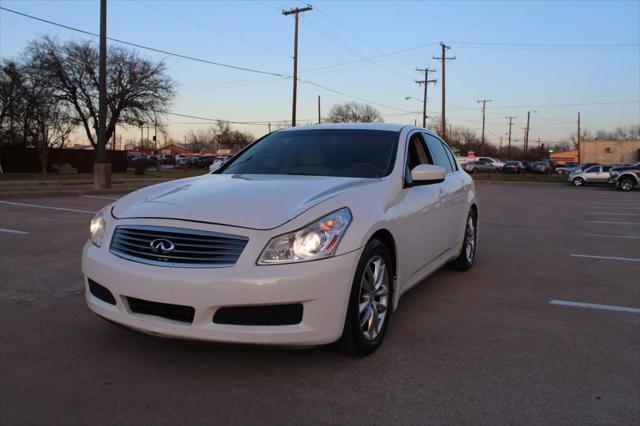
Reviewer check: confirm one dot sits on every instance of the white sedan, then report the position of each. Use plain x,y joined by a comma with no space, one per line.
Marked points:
308,236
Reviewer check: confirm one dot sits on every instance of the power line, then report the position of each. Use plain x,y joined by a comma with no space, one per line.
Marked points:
201,60
213,30
353,97
556,105
140,46
368,58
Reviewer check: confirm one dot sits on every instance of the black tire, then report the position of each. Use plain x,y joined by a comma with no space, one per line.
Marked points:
626,183
464,262
353,336
578,181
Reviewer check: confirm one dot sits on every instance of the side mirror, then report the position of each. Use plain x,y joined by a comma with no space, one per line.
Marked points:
424,174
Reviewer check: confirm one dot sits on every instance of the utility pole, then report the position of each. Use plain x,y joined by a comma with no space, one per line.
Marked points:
102,169
443,58
296,11
269,127
526,134
579,141
484,104
426,82
510,118
319,119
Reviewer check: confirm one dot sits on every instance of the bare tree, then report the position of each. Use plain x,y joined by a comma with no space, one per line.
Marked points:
137,88
12,102
354,112
198,140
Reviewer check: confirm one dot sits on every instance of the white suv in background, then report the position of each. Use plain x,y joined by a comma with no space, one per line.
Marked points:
497,163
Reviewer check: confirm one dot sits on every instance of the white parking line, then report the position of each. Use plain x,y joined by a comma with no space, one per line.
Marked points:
616,223
615,214
13,231
614,207
588,256
98,196
37,206
610,236
595,306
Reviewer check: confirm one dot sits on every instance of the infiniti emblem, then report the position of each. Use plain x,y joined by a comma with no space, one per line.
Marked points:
162,246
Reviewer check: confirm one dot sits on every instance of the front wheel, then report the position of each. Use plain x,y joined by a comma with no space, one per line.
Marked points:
626,184
578,181
467,256
370,301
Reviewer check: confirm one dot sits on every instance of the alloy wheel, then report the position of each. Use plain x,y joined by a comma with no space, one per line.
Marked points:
470,236
626,185
374,297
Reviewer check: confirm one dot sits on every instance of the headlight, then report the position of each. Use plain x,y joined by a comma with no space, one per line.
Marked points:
97,229
614,174
315,241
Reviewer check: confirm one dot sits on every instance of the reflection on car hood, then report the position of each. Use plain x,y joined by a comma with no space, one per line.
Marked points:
248,201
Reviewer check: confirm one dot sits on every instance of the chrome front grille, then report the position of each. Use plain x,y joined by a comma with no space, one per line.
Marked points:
178,247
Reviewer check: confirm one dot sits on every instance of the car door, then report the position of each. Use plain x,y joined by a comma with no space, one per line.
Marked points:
592,173
421,213
603,175
454,189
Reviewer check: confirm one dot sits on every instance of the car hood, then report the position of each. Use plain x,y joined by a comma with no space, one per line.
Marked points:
250,201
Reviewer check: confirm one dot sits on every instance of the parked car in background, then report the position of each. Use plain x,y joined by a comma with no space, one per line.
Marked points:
481,166
288,243
496,163
513,167
542,168
166,159
585,166
153,160
566,168
593,174
195,161
527,165
218,162
180,160
625,178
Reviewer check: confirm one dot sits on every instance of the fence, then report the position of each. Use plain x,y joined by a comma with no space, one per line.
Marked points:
26,160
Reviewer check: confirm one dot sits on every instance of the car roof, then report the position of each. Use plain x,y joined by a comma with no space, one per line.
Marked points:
353,126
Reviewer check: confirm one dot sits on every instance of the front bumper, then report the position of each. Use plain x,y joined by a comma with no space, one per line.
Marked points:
322,287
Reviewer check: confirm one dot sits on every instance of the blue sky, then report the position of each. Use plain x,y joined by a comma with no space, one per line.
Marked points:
523,55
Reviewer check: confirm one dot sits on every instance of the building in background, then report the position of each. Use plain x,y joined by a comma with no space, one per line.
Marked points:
610,151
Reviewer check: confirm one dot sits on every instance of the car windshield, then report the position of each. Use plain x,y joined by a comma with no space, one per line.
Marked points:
327,152
512,163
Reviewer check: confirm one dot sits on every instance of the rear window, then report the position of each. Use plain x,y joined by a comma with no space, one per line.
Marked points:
327,152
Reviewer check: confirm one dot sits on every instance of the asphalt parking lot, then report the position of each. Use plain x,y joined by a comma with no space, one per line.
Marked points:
502,344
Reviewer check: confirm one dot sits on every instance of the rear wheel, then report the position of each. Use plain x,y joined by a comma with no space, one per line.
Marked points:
369,307
578,181
467,256
626,183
